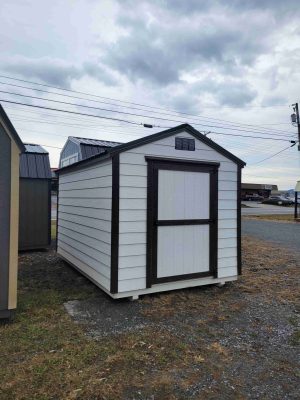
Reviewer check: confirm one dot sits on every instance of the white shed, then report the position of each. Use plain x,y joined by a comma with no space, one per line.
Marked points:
155,214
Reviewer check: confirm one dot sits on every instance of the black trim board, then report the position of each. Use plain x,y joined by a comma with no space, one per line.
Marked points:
154,165
57,207
49,212
114,256
239,224
12,130
178,129
152,138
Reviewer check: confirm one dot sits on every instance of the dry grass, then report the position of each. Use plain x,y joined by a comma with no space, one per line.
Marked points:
44,355
275,217
53,230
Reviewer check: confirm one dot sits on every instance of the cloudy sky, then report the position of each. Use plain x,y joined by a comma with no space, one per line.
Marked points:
228,67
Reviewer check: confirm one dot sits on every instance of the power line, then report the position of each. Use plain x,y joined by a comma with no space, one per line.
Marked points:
132,114
71,112
227,122
122,101
109,98
131,122
273,155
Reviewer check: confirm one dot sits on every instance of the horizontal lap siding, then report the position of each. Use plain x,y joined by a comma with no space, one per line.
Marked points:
84,221
133,206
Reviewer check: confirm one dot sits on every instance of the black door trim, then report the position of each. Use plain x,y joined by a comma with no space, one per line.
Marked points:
154,165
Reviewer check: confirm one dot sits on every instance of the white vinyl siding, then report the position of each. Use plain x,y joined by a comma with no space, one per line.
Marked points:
182,250
133,208
84,220
183,195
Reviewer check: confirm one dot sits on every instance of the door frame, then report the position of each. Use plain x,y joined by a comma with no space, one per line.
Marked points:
154,165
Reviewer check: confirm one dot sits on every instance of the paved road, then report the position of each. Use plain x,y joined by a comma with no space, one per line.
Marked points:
265,209
285,234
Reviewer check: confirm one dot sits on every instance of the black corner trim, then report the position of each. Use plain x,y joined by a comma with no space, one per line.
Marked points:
239,221
49,212
57,208
115,224
150,226
213,228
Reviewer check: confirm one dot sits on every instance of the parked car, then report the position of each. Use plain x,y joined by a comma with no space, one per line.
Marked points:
252,197
278,200
293,199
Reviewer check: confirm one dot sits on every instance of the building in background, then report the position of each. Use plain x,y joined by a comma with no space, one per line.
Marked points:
35,198
77,149
250,191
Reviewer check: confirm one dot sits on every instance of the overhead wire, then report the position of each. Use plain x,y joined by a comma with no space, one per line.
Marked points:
132,122
122,101
273,155
124,113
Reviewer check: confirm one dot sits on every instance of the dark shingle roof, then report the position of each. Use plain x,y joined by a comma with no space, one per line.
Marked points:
93,142
34,148
34,163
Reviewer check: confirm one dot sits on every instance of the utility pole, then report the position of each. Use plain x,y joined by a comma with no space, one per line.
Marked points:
295,119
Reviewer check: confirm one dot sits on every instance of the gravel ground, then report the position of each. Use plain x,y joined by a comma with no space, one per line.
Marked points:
256,340
252,326
284,234
72,341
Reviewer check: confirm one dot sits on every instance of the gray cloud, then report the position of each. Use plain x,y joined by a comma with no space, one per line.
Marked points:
191,7
55,71
52,71
160,46
100,73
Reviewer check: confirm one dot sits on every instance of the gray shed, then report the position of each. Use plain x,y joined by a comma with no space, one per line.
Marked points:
35,198
159,213
78,149
10,149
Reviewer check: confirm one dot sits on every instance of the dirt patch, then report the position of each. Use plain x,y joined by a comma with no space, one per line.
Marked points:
236,342
273,217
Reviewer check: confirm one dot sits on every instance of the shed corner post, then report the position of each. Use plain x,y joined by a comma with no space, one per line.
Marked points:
239,220
115,203
150,226
57,206
49,212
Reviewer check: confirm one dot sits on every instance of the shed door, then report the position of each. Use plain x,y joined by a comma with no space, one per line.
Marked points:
182,220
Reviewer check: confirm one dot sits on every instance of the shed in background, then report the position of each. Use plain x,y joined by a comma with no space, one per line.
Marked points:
10,148
35,198
78,149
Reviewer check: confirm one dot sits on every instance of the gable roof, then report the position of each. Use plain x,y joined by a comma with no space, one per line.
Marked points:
11,129
157,136
34,163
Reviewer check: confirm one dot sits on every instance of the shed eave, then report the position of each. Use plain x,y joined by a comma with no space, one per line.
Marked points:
180,128
152,138
12,130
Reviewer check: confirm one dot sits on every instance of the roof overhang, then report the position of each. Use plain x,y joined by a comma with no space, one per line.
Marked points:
12,130
152,138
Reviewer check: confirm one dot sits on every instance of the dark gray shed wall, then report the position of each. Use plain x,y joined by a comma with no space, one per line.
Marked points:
5,185
35,214
33,165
